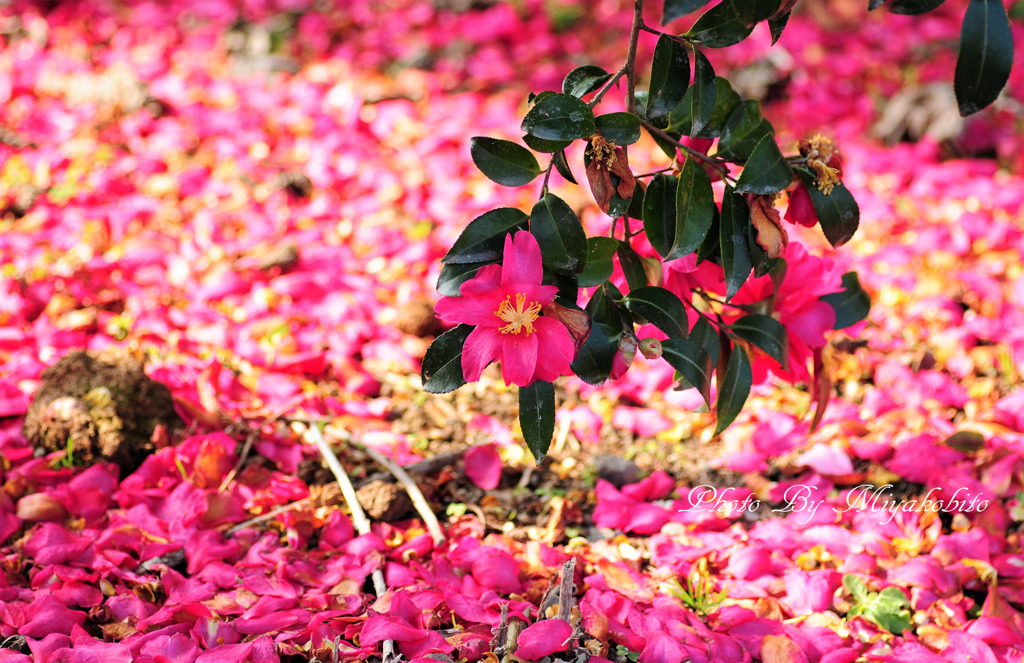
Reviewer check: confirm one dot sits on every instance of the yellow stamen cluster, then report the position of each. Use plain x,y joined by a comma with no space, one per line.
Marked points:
602,151
520,317
818,151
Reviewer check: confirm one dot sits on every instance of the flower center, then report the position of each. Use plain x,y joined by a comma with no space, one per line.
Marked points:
520,316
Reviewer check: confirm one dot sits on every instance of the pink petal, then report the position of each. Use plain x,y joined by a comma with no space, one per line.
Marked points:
227,654
663,648
487,278
825,459
522,260
543,639
780,649
471,309
483,345
498,571
47,615
559,349
518,359
483,466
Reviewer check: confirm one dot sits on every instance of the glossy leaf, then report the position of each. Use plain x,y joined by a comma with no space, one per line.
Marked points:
721,26
562,166
986,55
695,208
660,214
559,117
563,242
705,335
766,333
600,261
838,213
603,307
483,240
661,308
503,161
542,145
766,171
632,266
711,247
583,80
777,24
851,304
754,11
733,388
733,235
692,362
678,8
442,363
670,76
743,130
451,278
593,363
875,4
705,88
537,417
914,6
623,128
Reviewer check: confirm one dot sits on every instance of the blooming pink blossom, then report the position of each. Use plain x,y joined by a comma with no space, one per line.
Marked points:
505,303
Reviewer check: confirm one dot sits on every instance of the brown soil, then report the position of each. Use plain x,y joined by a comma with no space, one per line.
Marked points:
99,407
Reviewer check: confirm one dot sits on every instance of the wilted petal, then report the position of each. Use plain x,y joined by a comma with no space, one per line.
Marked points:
771,236
543,639
780,649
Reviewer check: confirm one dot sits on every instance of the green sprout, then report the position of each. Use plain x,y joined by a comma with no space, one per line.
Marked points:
699,592
888,608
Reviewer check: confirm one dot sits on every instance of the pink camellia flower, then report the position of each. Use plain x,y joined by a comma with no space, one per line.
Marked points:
505,303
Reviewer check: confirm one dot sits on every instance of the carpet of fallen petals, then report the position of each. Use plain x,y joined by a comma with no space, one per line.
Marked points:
255,197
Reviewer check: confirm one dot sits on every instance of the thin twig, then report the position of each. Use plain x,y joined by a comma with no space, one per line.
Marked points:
566,595
700,156
630,65
414,491
359,519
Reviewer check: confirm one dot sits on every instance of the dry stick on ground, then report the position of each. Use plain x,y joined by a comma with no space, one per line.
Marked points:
415,493
359,519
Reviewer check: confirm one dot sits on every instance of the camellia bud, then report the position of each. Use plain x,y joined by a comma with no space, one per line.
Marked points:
623,358
651,348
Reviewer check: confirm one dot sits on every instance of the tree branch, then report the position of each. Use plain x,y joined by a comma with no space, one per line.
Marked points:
722,170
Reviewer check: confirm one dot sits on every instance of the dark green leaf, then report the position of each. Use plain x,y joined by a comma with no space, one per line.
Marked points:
537,417
914,6
503,161
559,117
721,26
766,171
733,388
678,8
563,242
743,130
965,441
562,166
759,259
594,361
726,101
837,212
442,364
632,266
451,278
623,128
986,55
483,240
875,4
754,11
584,80
777,24
548,146
705,88
735,250
695,208
600,261
603,307
636,203
660,214
851,304
766,333
692,362
705,335
661,308
670,76
711,247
